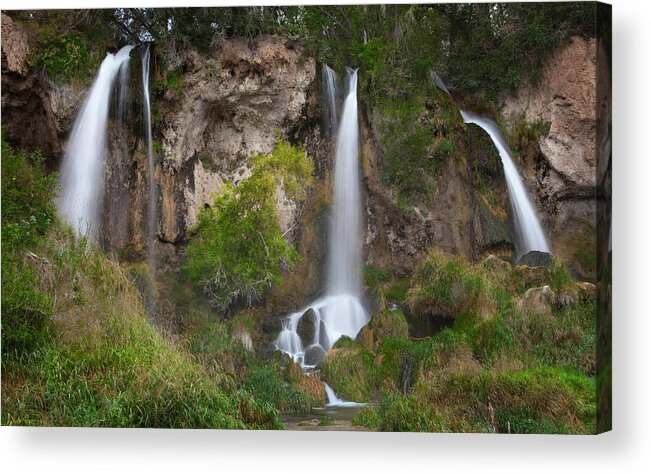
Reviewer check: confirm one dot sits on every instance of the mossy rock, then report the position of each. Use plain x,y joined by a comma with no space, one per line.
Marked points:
384,324
451,287
532,276
347,369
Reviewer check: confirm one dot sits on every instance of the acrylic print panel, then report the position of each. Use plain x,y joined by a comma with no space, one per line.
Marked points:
358,217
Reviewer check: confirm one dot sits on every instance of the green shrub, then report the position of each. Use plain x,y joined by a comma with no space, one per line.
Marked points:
236,249
452,288
27,214
348,369
367,417
265,383
27,197
405,413
65,58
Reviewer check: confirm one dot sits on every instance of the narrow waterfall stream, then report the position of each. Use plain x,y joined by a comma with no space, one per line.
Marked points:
528,231
330,92
82,169
151,177
340,312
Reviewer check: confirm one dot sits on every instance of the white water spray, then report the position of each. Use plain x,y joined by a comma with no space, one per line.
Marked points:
529,233
152,196
334,401
81,173
340,312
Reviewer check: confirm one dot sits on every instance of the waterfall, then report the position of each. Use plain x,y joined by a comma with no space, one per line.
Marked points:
334,401
529,234
81,173
329,83
151,178
340,312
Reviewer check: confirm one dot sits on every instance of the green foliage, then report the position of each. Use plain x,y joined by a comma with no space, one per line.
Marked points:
266,384
393,287
237,250
367,417
93,358
173,81
27,214
406,413
494,47
27,197
65,58
347,369
450,287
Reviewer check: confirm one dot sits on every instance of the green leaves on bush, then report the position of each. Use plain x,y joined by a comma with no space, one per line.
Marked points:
27,197
65,57
237,250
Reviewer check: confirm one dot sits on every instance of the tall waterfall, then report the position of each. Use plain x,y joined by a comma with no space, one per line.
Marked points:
345,259
151,178
329,82
529,234
81,172
340,312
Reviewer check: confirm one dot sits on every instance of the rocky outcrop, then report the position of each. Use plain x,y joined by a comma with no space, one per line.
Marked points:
37,113
231,105
537,301
564,175
455,218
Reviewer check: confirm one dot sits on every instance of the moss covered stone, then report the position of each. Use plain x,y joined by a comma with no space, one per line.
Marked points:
384,324
347,369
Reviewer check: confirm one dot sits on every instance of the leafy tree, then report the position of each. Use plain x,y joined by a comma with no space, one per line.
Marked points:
236,250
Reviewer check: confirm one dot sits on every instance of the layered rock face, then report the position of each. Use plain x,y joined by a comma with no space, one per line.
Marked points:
231,106
235,100
564,176
36,113
455,218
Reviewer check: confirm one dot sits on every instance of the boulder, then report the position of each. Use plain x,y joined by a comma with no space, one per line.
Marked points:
587,291
306,327
535,259
384,324
537,300
324,340
375,300
314,355
532,276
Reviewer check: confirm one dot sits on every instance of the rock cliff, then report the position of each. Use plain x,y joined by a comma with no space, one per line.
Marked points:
563,175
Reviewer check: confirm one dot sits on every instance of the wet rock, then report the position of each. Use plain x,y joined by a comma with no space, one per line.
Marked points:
536,259
324,340
314,355
375,300
306,326
537,300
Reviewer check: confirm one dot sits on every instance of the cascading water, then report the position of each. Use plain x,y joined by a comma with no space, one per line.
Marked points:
340,312
152,195
334,401
329,81
529,234
81,173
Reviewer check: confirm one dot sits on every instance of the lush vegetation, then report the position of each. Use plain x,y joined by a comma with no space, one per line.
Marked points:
507,369
78,348
237,250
